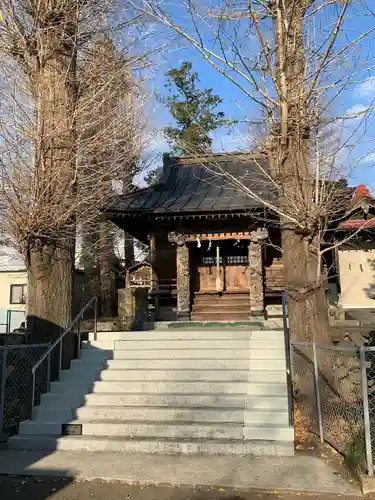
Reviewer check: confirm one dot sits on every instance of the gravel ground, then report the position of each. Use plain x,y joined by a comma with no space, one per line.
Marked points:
34,488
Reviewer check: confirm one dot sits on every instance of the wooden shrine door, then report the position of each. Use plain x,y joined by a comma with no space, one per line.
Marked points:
233,269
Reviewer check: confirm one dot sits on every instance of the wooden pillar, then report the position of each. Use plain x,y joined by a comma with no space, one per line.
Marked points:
153,275
183,276
256,272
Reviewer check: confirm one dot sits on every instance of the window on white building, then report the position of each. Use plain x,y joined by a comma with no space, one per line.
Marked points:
18,294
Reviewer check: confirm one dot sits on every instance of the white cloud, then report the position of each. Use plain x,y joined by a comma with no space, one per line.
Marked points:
230,142
158,143
367,88
368,158
355,110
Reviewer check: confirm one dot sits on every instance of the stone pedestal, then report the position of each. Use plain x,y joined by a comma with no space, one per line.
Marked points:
132,307
125,307
256,272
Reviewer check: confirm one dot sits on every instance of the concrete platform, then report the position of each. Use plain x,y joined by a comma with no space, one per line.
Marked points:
309,474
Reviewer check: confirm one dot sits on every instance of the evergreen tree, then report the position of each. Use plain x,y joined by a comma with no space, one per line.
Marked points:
194,111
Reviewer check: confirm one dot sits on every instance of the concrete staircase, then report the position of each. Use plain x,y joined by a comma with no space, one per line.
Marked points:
212,392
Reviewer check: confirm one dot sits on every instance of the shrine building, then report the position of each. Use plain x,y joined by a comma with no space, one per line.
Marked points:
214,251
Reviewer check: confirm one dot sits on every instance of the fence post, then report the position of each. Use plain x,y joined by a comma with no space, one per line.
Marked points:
3,383
317,393
366,414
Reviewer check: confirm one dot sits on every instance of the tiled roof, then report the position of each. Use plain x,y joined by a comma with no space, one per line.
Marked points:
187,187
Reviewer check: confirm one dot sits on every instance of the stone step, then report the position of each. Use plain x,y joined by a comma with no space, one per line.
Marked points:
174,334
111,386
183,375
129,413
255,323
264,365
181,400
154,387
268,431
169,415
175,375
149,445
167,344
264,344
233,308
87,375
197,348
203,364
197,345
267,353
179,364
95,355
273,418
182,354
267,334
219,316
225,297
89,363
196,430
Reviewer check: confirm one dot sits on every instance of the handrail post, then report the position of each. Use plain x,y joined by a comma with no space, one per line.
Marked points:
288,361
3,384
33,393
49,372
79,339
7,326
60,360
95,318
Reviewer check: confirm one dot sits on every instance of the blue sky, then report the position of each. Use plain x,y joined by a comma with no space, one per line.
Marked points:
360,164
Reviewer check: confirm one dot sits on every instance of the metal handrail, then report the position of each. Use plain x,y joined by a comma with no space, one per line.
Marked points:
287,357
58,341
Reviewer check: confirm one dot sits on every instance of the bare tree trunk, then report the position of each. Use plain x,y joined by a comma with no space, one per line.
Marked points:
308,319
50,257
108,293
291,168
50,289
128,250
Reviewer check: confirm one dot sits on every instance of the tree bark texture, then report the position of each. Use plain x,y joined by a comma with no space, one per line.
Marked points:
306,301
107,257
49,254
49,301
128,249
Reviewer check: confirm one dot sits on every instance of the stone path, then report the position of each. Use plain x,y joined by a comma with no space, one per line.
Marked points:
21,488
298,473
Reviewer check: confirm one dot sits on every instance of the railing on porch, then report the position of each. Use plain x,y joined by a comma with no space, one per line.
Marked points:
165,287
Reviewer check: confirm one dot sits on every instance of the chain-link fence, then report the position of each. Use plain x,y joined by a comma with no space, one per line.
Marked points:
332,395
16,362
